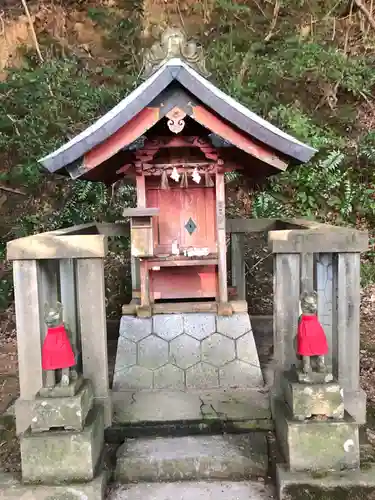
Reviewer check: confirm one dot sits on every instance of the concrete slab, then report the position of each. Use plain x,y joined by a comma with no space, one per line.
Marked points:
167,406
12,489
230,456
349,485
203,490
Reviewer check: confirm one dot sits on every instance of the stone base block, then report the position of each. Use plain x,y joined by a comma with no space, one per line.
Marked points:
11,489
194,351
59,456
192,458
164,413
314,377
315,444
60,391
65,412
353,485
305,400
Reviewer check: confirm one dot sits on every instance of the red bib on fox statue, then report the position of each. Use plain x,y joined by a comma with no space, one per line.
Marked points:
311,339
57,352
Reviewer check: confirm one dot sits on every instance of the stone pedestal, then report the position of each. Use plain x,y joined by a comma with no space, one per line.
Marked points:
69,412
315,434
191,351
306,400
62,456
66,437
316,445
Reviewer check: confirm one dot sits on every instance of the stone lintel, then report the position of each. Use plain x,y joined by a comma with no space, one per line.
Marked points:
330,486
316,445
60,456
306,400
55,246
66,412
328,239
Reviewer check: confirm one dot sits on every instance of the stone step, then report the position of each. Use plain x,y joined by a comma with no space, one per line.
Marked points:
236,405
202,490
229,456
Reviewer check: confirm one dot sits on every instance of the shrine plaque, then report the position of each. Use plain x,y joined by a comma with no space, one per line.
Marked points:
220,216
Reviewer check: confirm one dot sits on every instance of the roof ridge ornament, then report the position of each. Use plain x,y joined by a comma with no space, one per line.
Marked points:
174,43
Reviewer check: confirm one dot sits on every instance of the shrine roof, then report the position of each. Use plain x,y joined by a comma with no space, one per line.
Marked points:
177,70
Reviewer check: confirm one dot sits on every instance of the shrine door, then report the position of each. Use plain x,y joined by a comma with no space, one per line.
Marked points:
187,215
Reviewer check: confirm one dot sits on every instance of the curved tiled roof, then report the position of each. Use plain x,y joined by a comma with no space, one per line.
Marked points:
222,104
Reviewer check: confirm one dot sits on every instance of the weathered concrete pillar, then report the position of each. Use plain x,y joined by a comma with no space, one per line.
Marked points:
285,308
346,334
238,264
93,328
35,283
324,284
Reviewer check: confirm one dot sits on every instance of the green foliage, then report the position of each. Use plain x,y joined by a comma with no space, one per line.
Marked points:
288,81
43,106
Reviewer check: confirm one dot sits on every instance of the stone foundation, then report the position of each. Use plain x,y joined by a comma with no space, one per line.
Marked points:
317,444
60,456
186,351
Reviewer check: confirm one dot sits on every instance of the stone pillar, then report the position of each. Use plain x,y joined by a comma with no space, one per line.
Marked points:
346,335
93,328
307,272
35,282
135,275
324,286
69,300
286,308
238,264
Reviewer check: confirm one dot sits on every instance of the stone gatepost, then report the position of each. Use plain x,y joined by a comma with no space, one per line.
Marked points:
68,266
325,258
61,427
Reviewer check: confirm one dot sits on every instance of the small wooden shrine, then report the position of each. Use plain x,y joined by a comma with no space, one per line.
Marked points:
176,136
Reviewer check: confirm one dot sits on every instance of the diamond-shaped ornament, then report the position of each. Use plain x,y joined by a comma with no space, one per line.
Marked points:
190,226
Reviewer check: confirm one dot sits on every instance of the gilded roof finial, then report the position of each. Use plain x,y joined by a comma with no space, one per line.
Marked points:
174,44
